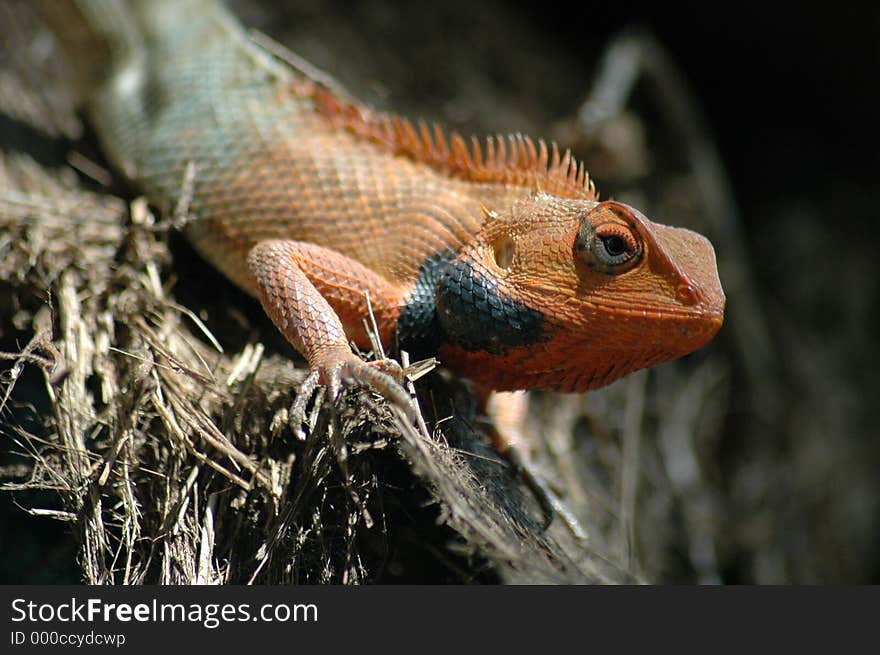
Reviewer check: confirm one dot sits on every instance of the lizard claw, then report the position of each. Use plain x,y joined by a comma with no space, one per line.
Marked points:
551,505
346,368
298,411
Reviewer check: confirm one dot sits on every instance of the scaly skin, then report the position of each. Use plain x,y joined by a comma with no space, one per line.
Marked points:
497,257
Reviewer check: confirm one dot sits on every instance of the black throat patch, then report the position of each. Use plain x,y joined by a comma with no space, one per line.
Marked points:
454,304
475,314
418,332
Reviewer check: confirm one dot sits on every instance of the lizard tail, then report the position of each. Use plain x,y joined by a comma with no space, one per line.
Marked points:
103,37
119,52
95,35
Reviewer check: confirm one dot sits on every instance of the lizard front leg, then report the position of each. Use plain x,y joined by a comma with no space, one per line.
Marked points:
311,293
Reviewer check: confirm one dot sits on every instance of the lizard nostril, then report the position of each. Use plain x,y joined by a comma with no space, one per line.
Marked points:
687,294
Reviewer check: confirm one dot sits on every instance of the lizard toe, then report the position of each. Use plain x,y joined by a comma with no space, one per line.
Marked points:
298,410
390,367
384,376
341,368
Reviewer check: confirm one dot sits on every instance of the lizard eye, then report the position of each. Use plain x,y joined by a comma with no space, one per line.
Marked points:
610,247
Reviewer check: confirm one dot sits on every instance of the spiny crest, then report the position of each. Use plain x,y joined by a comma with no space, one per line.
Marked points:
515,160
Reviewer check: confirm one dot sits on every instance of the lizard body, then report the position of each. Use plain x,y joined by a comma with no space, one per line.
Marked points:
497,256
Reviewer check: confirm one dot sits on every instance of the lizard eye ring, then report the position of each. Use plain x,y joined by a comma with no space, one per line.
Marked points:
610,248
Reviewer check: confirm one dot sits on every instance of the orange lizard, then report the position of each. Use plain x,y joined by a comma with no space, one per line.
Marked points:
495,255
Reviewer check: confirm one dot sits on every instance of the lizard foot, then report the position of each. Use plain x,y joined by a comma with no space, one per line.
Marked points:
340,368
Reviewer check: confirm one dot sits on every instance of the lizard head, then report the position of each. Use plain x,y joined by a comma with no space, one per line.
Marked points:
571,294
